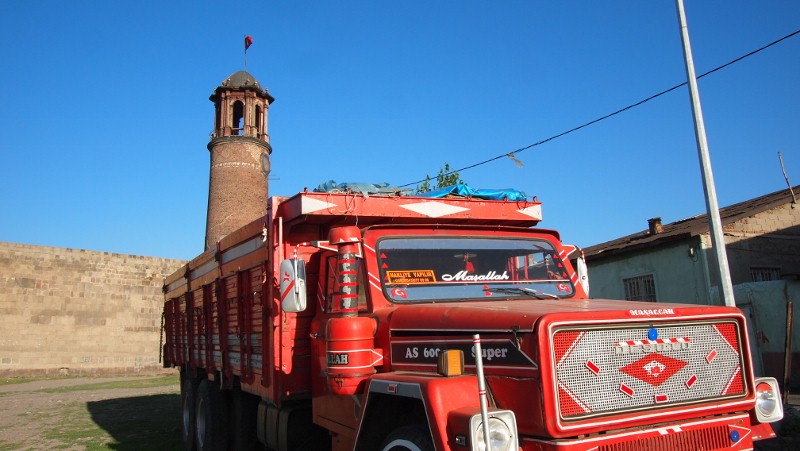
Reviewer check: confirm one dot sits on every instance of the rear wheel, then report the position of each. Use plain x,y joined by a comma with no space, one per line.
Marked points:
210,418
242,414
188,393
408,438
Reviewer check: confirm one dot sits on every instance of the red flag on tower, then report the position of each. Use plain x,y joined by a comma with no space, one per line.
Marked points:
248,41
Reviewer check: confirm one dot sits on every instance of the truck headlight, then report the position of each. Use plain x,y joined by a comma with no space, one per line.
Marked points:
769,407
502,431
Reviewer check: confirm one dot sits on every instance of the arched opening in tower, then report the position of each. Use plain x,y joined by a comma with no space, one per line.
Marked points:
237,126
259,121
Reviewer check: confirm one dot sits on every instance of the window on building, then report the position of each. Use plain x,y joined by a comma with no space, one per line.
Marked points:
642,288
764,274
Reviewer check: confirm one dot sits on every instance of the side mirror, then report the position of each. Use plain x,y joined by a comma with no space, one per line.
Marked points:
583,274
293,285
579,266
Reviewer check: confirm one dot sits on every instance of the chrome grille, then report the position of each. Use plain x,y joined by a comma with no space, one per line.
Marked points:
608,370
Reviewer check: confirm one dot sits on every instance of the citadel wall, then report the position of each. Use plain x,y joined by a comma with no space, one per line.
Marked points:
73,311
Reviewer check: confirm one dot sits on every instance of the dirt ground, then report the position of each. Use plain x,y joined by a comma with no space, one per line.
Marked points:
788,430
32,409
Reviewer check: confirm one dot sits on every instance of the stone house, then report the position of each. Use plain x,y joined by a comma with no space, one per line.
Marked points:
675,262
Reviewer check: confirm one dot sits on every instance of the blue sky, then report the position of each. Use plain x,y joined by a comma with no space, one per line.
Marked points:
105,111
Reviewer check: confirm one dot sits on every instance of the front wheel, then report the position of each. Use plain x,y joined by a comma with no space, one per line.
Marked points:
408,438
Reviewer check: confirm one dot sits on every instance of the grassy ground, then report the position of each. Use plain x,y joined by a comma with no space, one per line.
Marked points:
131,414
21,380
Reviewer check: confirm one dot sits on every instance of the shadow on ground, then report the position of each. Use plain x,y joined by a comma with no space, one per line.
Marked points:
139,423
150,423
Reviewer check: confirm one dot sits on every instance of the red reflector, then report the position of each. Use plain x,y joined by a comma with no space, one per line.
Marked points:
762,387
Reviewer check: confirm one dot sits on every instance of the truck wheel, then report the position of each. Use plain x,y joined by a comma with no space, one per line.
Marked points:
188,390
210,418
242,414
408,438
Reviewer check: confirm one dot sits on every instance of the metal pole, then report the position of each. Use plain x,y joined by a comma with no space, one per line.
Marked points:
787,356
794,199
712,208
476,341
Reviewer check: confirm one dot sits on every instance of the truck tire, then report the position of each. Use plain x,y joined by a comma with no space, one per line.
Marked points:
242,414
188,393
408,438
210,418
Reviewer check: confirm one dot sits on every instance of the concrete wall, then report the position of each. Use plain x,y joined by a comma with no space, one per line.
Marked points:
766,303
679,275
71,311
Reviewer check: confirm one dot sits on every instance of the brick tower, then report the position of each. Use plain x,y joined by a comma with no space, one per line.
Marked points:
240,156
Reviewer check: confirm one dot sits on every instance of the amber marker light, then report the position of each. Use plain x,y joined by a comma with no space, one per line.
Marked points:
451,362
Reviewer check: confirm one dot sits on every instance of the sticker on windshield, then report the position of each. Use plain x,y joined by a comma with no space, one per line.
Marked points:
399,293
410,277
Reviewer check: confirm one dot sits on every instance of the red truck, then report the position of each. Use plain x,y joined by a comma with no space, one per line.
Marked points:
350,322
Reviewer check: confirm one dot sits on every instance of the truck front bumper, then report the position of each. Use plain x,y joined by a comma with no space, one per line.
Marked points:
730,432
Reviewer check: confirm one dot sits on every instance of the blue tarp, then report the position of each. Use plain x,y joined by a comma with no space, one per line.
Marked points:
466,191
384,188
361,188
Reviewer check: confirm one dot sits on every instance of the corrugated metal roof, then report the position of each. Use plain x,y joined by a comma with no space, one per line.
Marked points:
689,227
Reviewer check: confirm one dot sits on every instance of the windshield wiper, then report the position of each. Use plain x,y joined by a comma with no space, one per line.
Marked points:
538,294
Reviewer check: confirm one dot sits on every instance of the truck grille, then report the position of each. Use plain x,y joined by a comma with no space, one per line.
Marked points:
709,438
605,370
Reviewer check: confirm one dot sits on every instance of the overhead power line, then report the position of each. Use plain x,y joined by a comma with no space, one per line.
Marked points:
512,154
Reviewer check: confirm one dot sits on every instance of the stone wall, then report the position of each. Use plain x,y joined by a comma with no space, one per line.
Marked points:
72,311
770,239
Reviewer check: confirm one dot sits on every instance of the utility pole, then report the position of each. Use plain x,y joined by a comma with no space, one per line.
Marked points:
712,208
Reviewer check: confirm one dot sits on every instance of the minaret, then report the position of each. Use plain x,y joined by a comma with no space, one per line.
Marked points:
240,156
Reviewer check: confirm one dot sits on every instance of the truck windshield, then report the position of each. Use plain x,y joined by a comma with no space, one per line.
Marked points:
452,269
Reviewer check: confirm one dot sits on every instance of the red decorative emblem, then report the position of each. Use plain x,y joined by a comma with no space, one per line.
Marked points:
660,398
399,293
711,356
655,369
592,367
627,390
692,380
